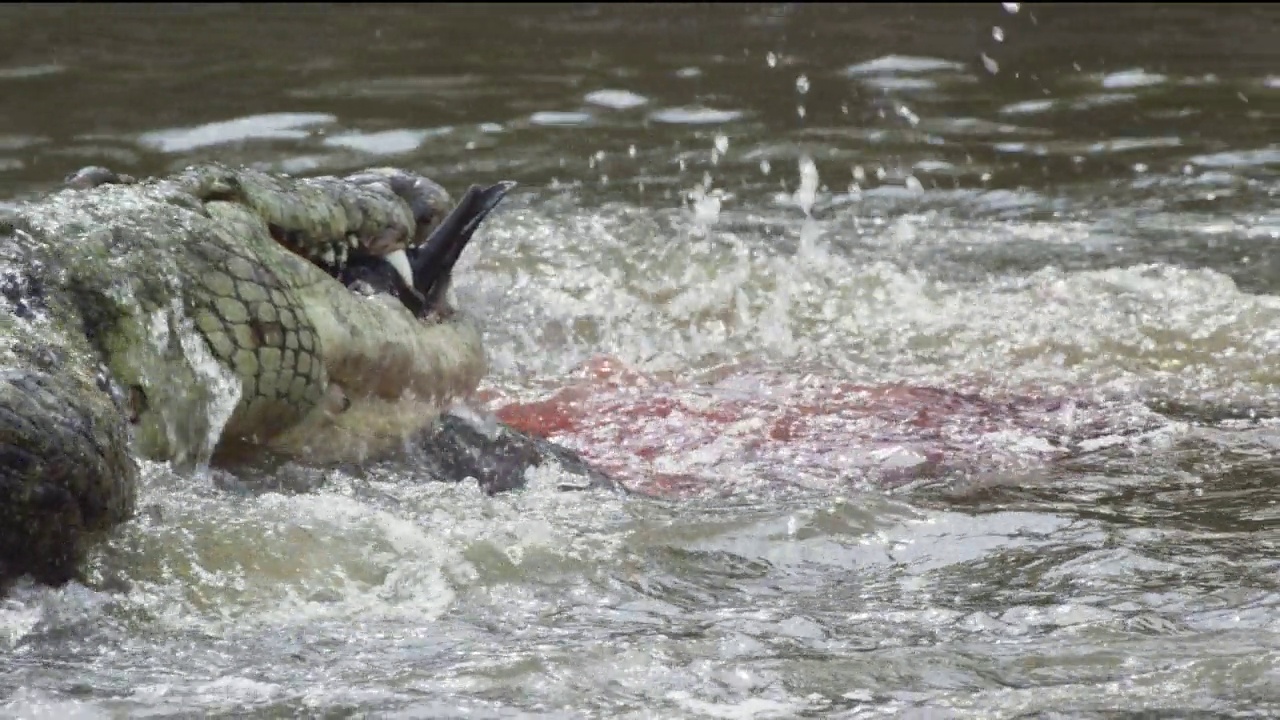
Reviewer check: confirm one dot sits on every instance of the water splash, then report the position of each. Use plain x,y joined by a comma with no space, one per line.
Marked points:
806,194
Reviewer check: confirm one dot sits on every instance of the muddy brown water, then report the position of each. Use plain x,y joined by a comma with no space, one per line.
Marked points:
948,335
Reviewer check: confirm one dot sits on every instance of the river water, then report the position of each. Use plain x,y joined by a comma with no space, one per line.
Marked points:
945,339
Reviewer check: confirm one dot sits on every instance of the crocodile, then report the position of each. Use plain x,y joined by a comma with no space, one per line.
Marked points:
217,315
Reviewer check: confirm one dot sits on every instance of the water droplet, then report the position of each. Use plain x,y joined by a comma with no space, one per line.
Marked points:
1011,7
800,110
859,174
600,155
771,59
765,167
722,144
990,64
631,151
802,84
997,33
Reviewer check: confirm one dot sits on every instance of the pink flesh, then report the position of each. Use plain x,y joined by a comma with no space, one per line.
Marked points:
760,426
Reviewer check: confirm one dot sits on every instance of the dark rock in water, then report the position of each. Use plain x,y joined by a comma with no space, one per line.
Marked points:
457,449
497,456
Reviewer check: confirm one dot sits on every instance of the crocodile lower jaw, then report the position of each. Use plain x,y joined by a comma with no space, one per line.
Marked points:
391,373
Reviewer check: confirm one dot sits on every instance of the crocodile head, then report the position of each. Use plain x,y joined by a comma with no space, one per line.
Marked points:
393,349
194,319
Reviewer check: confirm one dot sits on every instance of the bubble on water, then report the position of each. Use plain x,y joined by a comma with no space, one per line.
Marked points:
771,59
722,144
807,193
271,126
1011,7
616,99
695,116
631,150
765,167
387,142
1026,107
800,111
599,156
802,84
1132,78
859,174
990,64
890,65
555,118
997,33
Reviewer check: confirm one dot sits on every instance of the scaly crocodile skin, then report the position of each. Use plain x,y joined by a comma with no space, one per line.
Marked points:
169,310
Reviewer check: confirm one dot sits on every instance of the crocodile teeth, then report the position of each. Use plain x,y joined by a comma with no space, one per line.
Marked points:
400,261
